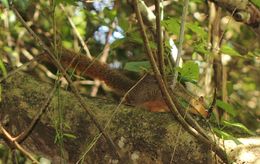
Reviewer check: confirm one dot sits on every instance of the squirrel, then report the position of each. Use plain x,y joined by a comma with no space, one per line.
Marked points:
145,94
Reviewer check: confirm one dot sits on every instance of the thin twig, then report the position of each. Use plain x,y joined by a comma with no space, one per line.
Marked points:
110,119
181,39
159,37
73,88
103,59
156,70
20,67
177,139
83,44
167,96
11,141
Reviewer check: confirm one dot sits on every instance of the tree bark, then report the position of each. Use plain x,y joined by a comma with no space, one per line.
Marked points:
140,136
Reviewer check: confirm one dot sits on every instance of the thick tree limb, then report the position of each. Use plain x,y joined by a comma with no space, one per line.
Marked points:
140,136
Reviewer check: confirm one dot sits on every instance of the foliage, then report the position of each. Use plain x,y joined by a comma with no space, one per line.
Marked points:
256,2
227,107
93,21
137,66
189,71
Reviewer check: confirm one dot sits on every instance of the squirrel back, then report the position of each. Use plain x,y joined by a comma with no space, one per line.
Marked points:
96,70
146,93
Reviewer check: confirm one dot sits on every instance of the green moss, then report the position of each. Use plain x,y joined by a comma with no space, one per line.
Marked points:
147,134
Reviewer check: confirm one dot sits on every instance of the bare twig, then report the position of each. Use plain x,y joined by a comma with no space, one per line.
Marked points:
157,72
11,141
103,59
159,33
181,39
111,117
83,44
177,140
21,67
164,3
73,88
167,96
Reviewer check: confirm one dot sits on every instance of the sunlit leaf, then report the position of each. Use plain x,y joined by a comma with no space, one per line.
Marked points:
117,43
4,2
44,161
227,107
194,27
197,1
67,44
249,86
229,88
190,71
111,14
238,125
172,25
137,66
135,37
226,136
71,136
229,51
2,68
124,24
256,2
201,48
71,2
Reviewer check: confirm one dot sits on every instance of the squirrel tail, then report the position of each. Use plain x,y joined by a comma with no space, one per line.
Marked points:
95,69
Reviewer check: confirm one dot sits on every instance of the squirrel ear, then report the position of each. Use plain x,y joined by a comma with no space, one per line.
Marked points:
201,99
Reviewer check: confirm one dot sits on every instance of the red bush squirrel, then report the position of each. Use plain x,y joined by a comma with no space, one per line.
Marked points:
145,94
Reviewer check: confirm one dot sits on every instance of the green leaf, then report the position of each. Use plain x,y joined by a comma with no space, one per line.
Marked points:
152,45
5,3
198,1
257,52
70,2
67,44
2,68
200,48
117,43
254,53
227,107
226,136
194,27
123,23
230,88
172,25
249,86
229,51
71,136
44,161
190,71
238,125
137,66
111,14
135,37
256,2
22,4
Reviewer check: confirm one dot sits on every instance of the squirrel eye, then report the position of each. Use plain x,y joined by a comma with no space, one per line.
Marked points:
238,16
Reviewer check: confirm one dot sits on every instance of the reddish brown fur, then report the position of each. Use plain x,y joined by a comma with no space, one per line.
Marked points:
146,94
97,70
